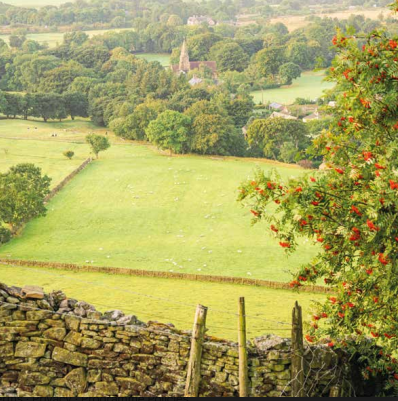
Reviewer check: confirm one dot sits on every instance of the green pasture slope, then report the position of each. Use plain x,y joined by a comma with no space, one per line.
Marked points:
35,3
120,292
56,38
163,59
310,85
31,142
139,209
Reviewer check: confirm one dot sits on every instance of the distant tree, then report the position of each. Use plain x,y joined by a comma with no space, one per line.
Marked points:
17,41
48,106
134,125
5,235
69,154
31,46
76,104
170,131
271,134
288,152
199,45
118,22
76,38
240,109
13,105
174,20
98,143
299,53
91,56
288,72
269,60
229,56
22,193
211,134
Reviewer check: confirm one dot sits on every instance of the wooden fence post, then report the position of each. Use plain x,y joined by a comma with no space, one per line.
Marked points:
195,359
243,372
297,353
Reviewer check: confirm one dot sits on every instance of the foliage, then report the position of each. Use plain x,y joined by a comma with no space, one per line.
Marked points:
350,209
98,143
170,131
229,56
288,72
5,235
69,154
22,192
274,134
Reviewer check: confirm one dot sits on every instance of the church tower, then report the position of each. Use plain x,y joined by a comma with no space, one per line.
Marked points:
184,65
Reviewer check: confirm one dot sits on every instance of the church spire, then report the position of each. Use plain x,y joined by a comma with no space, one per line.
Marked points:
184,65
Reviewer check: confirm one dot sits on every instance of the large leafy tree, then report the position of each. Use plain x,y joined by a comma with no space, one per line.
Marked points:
22,194
170,131
351,208
288,72
268,136
229,56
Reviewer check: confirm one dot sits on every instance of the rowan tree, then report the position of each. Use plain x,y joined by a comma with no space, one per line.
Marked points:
351,208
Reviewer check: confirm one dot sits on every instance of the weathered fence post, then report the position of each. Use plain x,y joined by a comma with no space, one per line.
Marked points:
195,359
243,372
297,353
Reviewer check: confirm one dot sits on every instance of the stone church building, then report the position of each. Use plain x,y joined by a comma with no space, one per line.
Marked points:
186,65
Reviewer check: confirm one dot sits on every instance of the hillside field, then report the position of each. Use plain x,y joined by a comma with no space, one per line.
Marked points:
300,21
35,3
137,208
176,299
310,85
163,59
54,39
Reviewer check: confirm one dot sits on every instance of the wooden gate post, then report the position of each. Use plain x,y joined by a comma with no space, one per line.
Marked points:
195,359
243,372
297,353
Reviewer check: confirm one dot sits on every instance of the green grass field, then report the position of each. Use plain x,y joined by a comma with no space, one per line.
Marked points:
54,39
67,130
120,292
139,209
35,3
163,59
44,154
310,85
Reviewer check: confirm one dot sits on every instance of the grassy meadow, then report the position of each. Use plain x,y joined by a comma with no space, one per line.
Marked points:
54,39
163,59
120,292
46,155
300,21
137,208
310,85
35,3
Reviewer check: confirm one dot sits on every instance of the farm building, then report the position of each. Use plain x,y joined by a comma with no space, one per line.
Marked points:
200,19
286,116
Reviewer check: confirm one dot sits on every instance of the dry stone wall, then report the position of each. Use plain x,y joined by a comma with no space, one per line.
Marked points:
52,346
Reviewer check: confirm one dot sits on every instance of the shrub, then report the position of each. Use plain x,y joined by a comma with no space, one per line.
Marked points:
5,235
69,154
